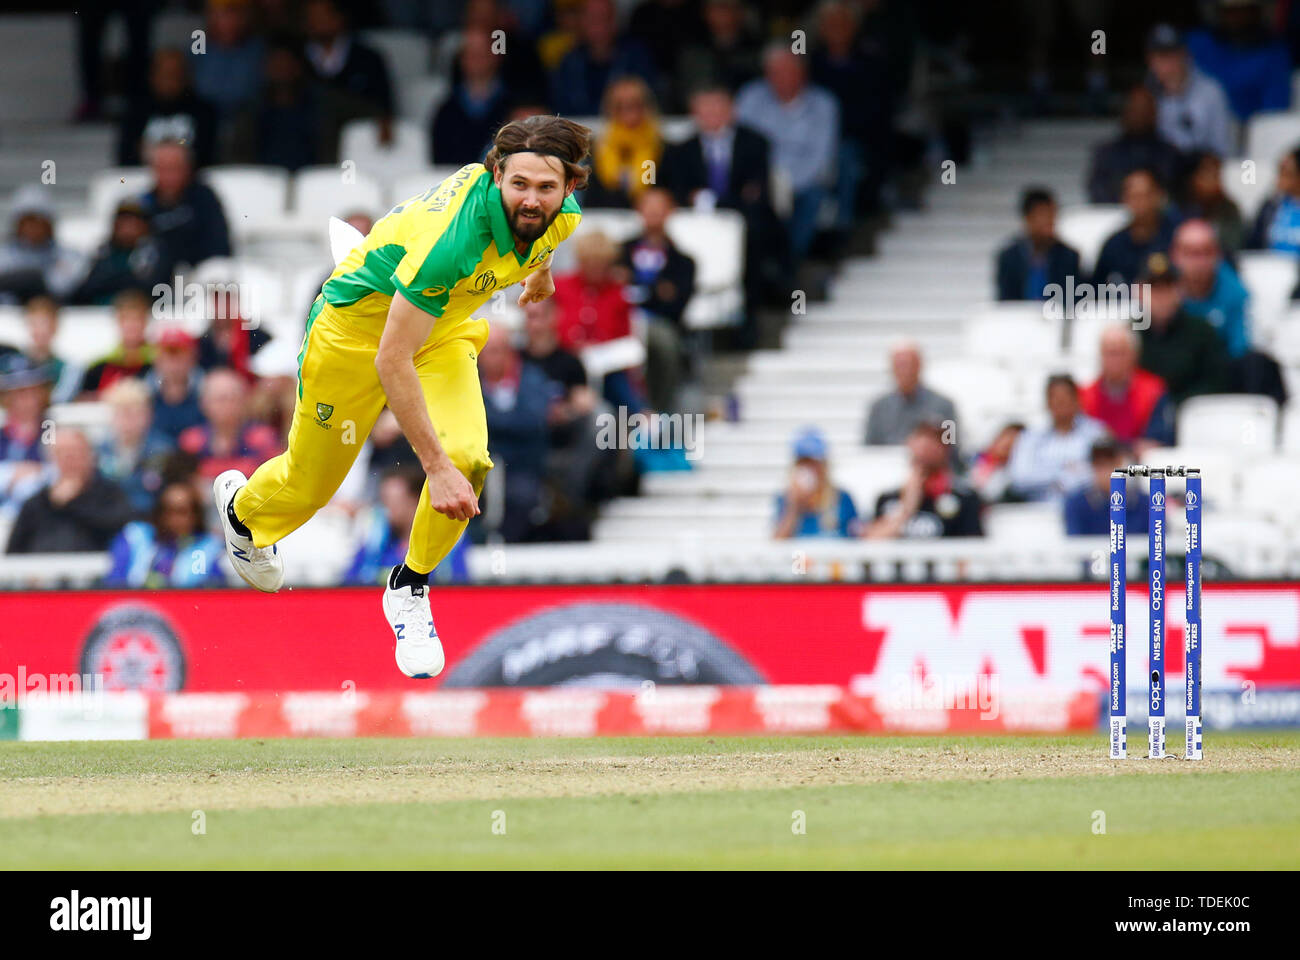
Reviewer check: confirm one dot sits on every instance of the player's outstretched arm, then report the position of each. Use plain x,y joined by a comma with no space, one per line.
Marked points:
407,328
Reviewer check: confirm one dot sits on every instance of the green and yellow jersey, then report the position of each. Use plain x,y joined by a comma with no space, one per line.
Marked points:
446,250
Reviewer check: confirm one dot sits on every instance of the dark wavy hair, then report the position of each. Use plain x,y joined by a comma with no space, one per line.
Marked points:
563,139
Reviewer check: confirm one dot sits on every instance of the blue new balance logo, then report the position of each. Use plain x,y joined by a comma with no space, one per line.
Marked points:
401,629
239,553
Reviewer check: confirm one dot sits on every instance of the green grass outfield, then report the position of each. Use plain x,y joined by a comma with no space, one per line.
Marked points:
913,802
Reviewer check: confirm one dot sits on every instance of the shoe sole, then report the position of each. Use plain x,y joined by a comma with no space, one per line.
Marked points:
228,532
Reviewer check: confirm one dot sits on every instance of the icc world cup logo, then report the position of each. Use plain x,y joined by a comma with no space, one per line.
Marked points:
1157,501
1190,499
1117,499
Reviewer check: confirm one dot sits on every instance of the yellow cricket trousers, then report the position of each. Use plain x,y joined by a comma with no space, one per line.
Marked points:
339,399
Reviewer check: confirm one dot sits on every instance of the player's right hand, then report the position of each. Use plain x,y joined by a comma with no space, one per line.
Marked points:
450,493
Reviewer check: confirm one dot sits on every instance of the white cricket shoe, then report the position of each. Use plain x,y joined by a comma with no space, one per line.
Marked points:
261,567
419,651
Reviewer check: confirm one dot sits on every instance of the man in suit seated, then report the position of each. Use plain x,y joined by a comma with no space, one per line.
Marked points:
726,165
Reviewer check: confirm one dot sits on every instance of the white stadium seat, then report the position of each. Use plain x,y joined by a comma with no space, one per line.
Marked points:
327,191
110,187
1248,183
407,53
1241,424
1220,471
716,241
1021,522
82,233
252,196
1266,489
408,150
420,97
1271,134
1087,227
1013,338
1270,278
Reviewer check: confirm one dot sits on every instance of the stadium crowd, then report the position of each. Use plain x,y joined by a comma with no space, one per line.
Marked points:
1180,244
274,82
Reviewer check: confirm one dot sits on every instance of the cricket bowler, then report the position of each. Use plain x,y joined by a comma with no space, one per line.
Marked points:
395,325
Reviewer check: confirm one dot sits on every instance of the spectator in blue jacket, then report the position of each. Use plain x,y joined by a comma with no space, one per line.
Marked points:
813,506
170,550
1277,225
1192,111
1210,286
1037,258
1087,509
1249,60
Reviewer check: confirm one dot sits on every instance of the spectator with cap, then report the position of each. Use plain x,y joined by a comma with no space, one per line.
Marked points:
892,416
1203,199
662,282
578,83
133,355
1277,225
171,548
32,262
1037,259
133,453
1133,403
627,152
169,111
42,317
802,122
1209,286
79,510
24,396
1246,56
1149,230
388,532
933,501
130,258
228,439
1087,508
812,506
185,215
1139,145
174,383
1182,350
227,69
1192,110
475,107
1050,460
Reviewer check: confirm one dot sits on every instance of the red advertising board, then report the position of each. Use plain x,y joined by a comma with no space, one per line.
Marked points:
871,640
